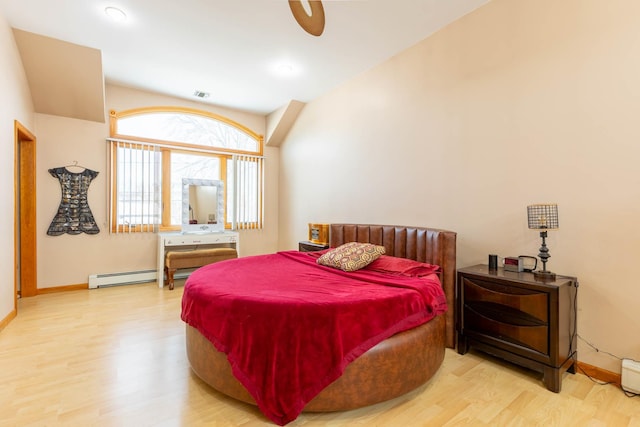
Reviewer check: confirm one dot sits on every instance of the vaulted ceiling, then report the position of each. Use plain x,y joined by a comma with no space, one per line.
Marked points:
246,54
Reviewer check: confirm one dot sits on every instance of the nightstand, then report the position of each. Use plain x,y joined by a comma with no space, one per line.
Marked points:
512,316
307,246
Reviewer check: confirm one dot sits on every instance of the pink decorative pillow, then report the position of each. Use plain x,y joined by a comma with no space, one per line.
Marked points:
351,256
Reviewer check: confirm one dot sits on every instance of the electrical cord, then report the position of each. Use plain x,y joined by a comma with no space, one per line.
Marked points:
593,379
626,392
597,349
574,333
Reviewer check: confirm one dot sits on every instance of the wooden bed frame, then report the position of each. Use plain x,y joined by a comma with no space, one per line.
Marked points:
392,368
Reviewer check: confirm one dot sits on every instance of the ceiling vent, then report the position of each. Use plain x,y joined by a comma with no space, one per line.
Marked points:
201,94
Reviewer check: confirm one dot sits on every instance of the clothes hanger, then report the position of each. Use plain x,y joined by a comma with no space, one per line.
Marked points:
75,165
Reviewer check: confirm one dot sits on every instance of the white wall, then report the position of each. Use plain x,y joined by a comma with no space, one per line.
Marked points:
15,104
67,260
519,102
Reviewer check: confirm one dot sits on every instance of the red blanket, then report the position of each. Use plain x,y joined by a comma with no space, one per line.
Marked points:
289,326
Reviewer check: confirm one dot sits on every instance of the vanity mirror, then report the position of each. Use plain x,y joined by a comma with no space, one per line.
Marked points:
202,205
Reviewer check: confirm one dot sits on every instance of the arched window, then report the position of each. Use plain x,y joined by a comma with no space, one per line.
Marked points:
153,149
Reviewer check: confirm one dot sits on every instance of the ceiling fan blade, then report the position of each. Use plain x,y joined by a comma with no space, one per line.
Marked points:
312,24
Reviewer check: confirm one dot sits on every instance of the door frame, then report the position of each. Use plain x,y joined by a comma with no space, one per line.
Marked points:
25,244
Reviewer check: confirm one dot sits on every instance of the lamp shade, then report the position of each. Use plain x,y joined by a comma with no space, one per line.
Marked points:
543,216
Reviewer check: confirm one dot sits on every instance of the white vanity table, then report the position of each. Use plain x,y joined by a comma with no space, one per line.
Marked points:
186,241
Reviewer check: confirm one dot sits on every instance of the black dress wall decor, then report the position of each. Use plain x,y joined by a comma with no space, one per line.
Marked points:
74,215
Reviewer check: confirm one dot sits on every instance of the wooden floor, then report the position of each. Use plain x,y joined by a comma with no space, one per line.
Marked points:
115,357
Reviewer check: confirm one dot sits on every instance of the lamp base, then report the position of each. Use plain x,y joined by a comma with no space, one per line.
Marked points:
544,276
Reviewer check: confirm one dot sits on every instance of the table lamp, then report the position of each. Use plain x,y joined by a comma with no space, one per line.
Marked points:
543,217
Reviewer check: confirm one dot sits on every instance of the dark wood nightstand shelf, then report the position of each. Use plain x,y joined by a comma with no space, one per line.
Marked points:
307,246
512,316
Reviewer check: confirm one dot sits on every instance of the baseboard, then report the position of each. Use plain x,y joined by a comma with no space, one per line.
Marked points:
4,322
599,374
55,289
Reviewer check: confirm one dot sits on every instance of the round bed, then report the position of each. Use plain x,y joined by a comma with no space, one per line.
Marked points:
390,369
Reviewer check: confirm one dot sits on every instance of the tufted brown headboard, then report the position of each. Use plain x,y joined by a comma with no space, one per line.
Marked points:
422,244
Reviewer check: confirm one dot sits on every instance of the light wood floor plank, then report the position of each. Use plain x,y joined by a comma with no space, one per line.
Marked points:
116,357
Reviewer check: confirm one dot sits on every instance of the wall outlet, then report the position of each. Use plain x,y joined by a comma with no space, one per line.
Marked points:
630,376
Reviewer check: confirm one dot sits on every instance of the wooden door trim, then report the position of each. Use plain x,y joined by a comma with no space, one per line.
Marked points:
25,248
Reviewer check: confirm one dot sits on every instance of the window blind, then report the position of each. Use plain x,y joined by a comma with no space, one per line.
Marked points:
136,187
135,181
248,190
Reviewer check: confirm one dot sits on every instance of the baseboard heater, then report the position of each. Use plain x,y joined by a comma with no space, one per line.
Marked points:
125,278
630,376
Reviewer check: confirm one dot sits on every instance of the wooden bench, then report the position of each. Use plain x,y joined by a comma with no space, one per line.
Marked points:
175,260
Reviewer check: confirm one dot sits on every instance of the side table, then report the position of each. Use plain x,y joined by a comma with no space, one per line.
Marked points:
517,318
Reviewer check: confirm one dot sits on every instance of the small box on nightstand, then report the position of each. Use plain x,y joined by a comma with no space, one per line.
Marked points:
307,246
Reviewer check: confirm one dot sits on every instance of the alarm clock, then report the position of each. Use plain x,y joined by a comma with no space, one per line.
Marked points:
512,263
520,263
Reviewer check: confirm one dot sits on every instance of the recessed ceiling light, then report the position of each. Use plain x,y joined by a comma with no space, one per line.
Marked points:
116,14
285,69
